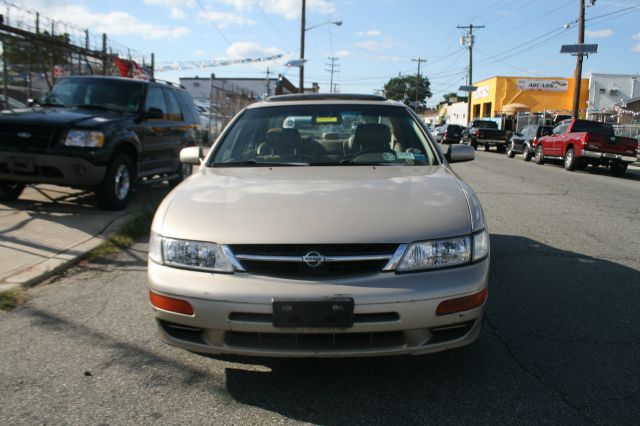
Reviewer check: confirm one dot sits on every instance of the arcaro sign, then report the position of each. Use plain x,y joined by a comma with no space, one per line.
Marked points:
545,85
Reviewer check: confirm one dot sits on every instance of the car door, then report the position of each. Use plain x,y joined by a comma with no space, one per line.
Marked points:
519,138
549,146
154,133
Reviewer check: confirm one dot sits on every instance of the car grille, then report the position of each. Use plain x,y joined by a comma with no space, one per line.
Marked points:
34,138
287,260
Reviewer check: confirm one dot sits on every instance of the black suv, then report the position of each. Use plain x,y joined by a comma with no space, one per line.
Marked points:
100,133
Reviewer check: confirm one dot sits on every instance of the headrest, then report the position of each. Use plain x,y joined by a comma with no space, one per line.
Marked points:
368,136
283,141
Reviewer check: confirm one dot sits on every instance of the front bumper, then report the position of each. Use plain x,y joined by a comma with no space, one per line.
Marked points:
394,313
52,169
608,156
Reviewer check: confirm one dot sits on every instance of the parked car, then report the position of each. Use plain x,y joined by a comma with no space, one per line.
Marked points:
99,133
485,133
449,133
524,141
286,245
584,142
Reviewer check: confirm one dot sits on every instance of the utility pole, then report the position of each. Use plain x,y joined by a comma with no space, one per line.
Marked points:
333,68
577,75
418,60
268,83
303,25
469,40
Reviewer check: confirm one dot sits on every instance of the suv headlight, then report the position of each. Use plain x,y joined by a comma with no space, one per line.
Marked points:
444,253
84,139
198,255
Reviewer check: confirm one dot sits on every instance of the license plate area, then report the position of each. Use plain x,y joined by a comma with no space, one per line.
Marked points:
330,313
23,164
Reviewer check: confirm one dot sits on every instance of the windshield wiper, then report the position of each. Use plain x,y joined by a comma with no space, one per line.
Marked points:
254,163
351,163
52,104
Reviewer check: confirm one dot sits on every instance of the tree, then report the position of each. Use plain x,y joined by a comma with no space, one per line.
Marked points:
403,89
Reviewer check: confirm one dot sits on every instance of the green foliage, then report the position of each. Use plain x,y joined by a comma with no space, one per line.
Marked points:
403,89
11,298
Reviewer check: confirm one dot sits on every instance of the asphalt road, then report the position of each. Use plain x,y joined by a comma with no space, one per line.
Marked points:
560,344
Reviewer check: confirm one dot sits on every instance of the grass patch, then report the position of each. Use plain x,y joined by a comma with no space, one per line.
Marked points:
11,298
131,231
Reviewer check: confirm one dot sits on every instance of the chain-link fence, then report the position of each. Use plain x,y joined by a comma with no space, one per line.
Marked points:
628,130
226,101
35,51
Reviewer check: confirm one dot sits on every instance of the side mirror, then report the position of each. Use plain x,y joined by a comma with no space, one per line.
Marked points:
154,113
191,155
460,153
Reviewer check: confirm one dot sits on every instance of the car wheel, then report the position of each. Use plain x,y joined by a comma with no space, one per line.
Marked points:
526,154
511,152
539,155
570,160
502,148
618,170
10,191
115,190
487,147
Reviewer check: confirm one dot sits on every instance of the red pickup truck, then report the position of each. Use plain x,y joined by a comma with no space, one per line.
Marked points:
583,142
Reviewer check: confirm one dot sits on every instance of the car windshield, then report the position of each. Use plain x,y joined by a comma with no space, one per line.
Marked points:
485,124
324,135
97,93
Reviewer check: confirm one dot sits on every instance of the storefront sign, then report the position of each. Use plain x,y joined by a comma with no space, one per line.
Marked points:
481,92
544,85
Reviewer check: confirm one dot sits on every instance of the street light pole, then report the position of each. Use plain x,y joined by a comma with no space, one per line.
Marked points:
303,24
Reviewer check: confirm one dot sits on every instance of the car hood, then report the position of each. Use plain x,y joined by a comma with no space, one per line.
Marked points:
61,117
298,205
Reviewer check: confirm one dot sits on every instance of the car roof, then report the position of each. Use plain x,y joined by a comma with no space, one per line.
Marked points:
325,99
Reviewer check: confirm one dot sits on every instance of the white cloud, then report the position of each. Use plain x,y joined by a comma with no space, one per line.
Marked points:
199,52
369,33
375,45
289,9
223,19
250,49
113,23
342,53
636,48
177,13
636,36
170,3
599,33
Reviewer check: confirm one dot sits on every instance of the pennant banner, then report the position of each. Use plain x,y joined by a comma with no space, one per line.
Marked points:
187,65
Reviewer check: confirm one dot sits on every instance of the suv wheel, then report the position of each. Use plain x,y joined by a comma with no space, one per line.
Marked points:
502,148
570,160
618,170
539,155
10,191
511,152
114,191
487,147
526,154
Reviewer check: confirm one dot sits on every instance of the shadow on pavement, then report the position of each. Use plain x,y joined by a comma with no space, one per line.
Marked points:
560,344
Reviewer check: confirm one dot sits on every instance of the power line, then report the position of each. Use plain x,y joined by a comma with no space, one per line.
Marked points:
419,60
334,69
469,40
206,14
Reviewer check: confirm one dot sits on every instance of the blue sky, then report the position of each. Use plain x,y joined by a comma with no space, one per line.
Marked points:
377,41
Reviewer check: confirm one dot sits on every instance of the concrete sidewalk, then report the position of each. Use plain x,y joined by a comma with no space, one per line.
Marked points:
51,227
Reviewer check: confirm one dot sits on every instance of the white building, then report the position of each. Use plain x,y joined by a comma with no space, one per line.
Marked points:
457,113
609,90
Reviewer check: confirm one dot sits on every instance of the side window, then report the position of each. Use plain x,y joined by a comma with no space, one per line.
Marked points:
559,129
155,99
190,113
174,108
525,132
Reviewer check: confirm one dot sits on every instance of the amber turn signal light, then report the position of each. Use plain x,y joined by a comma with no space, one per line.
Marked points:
170,304
464,303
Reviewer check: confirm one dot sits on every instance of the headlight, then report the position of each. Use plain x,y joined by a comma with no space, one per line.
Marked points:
436,254
444,253
196,255
84,139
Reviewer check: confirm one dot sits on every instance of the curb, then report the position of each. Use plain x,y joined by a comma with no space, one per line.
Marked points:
35,274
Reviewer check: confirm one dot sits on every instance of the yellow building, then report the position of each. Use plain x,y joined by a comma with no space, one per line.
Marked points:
505,95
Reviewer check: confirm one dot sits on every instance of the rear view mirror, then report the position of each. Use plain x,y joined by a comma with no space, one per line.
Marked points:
154,113
460,153
191,155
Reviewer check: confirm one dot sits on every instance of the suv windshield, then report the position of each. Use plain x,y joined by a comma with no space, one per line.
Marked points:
324,135
97,93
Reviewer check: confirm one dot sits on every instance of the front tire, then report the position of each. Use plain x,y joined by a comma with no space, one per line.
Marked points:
511,152
115,190
539,155
526,154
570,160
10,191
